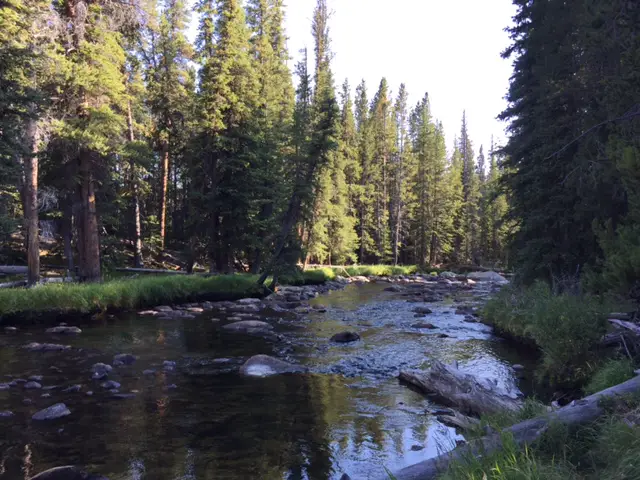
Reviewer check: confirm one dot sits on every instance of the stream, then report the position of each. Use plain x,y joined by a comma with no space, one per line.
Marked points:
182,410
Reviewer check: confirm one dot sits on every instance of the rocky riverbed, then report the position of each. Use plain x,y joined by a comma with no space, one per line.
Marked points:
301,384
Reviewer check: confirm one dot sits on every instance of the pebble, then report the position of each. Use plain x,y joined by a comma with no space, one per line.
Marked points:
124,359
4,386
90,393
27,401
10,329
45,395
36,378
72,389
64,330
32,386
149,372
6,414
110,385
169,365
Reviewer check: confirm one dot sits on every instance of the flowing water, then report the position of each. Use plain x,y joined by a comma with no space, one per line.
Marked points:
202,420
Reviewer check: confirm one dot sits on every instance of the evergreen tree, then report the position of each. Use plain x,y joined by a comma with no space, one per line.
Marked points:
471,197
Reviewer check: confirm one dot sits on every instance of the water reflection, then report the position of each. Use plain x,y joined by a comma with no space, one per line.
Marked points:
218,425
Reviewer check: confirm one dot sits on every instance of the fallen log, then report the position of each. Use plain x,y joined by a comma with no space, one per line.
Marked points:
151,270
576,413
461,390
633,327
458,420
13,269
21,283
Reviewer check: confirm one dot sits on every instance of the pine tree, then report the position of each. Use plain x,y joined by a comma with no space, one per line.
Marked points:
471,196
483,247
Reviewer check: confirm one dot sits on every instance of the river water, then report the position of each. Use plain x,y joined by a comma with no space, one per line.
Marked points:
202,420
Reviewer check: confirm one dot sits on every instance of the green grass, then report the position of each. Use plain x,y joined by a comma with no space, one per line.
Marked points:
613,372
566,328
125,294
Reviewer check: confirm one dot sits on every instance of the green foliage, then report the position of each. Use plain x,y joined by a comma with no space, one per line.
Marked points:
613,372
565,327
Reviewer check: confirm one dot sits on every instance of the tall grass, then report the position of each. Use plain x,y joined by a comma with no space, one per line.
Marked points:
565,327
613,372
126,294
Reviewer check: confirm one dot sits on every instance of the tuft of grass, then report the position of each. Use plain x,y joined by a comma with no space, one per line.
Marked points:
613,372
375,270
125,294
531,408
565,327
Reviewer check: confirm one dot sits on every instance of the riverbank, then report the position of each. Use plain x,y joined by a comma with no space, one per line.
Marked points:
50,303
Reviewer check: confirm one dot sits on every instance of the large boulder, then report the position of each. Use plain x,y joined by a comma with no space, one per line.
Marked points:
53,412
100,371
490,276
68,472
345,337
264,366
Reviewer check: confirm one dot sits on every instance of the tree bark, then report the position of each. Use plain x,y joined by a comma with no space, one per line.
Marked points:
462,391
577,413
163,194
67,225
135,198
90,266
31,203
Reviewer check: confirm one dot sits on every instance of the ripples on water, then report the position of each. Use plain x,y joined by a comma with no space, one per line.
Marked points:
349,414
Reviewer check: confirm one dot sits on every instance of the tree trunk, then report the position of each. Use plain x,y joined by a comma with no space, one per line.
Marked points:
138,261
576,413
31,203
163,195
67,234
462,391
90,266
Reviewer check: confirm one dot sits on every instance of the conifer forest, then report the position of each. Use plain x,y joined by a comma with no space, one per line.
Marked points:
129,140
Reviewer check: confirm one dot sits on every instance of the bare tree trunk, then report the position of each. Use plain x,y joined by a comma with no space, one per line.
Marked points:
31,203
135,198
90,267
163,195
67,220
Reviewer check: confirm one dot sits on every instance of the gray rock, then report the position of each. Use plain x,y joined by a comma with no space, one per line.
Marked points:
248,301
6,414
345,477
173,386
123,359
53,412
110,385
45,395
36,378
10,329
67,473
100,371
4,386
264,365
345,337
163,309
45,347
448,275
417,448
423,310
169,366
518,368
89,393
149,372
470,319
32,386
63,330
27,401
123,396
72,389
245,326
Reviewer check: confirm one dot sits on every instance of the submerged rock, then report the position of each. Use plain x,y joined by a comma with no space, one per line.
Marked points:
36,378
32,386
247,326
163,309
45,347
100,371
110,385
64,330
53,412
248,301
6,414
123,359
10,329
429,326
345,337
264,365
72,389
4,386
67,473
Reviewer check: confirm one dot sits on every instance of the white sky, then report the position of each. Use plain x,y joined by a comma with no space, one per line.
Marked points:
448,48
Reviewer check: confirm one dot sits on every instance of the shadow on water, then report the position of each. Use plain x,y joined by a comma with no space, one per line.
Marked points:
204,421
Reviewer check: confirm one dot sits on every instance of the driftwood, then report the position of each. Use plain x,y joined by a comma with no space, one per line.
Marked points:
577,413
458,420
462,391
151,270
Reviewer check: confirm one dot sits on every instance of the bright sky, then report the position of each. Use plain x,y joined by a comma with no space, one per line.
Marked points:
448,48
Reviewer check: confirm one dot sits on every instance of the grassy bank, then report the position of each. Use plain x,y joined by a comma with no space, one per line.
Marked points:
566,328
606,449
145,292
